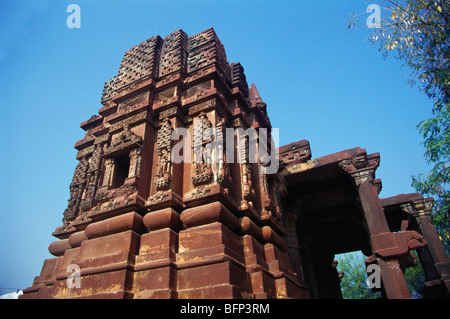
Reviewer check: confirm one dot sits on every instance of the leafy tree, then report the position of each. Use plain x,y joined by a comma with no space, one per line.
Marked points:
415,279
417,33
354,280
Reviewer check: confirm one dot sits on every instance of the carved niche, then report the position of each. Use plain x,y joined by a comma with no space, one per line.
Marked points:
164,148
221,168
202,148
248,192
122,159
93,176
209,156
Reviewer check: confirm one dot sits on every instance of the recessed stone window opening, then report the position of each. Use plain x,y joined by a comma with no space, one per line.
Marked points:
121,170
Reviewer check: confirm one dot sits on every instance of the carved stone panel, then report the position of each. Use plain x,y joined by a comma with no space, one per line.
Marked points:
173,53
135,162
203,137
164,148
138,62
248,191
205,49
77,188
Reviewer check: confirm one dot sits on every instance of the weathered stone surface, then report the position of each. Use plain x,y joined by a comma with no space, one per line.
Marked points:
141,224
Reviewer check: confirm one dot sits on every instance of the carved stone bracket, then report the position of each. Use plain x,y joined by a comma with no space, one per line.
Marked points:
420,207
396,244
361,167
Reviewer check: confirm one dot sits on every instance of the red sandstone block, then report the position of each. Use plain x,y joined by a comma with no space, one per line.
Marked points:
28,294
110,245
219,274
263,284
253,252
286,288
45,292
114,284
164,218
157,248
156,294
271,236
208,244
77,238
207,236
130,221
216,292
47,273
71,256
58,247
154,282
159,240
278,261
107,250
207,214
249,227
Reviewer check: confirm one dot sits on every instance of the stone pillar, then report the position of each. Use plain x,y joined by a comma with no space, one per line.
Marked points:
291,238
434,259
384,244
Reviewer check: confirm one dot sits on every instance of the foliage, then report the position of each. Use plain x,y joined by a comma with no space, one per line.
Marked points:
417,33
353,283
436,132
415,279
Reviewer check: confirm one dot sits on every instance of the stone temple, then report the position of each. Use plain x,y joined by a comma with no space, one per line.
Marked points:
142,224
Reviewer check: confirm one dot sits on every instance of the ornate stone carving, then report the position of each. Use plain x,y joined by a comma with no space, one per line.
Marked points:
109,166
77,188
202,151
79,176
205,48
135,162
173,53
128,121
298,152
164,149
168,113
221,168
70,213
138,62
85,152
361,167
159,197
203,106
418,208
238,78
126,137
246,174
133,102
197,192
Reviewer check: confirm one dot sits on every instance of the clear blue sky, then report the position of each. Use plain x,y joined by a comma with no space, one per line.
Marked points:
321,82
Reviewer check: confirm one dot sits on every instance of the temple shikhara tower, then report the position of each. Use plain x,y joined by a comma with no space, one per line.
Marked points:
140,223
